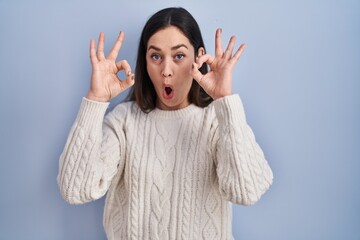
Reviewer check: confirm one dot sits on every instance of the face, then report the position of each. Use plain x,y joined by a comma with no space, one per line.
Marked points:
169,58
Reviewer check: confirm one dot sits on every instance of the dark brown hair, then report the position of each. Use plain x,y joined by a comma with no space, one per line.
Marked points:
143,91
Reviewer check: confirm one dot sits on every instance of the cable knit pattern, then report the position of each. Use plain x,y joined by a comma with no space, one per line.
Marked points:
162,180
168,174
186,209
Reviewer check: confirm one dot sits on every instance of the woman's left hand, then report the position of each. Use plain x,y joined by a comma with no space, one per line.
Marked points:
217,82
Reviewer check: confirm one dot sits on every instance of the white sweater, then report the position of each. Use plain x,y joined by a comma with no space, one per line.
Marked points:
167,174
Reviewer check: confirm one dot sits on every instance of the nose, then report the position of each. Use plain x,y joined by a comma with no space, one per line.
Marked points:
167,69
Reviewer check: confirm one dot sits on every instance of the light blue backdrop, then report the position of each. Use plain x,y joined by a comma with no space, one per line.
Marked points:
299,80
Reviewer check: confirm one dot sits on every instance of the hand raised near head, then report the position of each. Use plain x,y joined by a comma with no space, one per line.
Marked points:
217,82
105,84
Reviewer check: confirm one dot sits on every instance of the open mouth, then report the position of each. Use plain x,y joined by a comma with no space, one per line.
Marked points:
168,92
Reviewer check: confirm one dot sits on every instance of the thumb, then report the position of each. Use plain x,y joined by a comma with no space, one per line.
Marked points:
196,74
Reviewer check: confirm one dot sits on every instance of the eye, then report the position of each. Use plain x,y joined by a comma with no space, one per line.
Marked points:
179,56
155,57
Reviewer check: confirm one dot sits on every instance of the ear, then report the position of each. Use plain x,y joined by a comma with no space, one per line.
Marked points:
201,51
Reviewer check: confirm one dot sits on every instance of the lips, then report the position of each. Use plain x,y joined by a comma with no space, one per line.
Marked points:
168,91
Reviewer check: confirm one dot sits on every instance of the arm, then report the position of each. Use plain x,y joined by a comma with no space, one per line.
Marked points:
91,156
243,173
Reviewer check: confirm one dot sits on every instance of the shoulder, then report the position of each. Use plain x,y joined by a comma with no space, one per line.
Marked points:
209,112
228,107
125,107
124,110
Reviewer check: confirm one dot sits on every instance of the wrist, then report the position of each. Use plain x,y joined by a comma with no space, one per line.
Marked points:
93,97
222,95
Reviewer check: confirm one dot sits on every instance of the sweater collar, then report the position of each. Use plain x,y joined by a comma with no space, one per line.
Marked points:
174,114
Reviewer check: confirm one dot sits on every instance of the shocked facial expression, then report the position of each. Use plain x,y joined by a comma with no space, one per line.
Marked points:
169,58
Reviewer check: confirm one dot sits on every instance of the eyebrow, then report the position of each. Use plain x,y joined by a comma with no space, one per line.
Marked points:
173,48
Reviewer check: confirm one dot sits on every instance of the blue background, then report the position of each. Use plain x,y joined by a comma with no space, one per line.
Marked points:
298,78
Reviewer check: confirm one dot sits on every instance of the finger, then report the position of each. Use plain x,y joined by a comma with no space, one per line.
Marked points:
124,65
196,74
116,48
93,57
129,81
100,48
230,48
204,58
238,53
218,43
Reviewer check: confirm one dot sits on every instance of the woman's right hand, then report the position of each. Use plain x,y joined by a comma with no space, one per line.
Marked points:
105,84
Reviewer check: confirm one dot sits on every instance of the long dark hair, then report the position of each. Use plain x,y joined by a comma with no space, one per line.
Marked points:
143,91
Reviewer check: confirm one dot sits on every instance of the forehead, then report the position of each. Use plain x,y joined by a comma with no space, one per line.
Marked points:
169,37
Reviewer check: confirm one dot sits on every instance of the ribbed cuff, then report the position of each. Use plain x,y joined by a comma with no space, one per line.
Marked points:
91,113
230,109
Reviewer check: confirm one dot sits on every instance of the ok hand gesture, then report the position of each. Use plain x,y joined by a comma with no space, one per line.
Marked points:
217,82
105,84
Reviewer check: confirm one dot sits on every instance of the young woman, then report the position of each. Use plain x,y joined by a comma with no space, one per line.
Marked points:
172,156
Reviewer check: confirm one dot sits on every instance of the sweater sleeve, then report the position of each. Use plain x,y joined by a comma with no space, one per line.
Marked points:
243,173
91,156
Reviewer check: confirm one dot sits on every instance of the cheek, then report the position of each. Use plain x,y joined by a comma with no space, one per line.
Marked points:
151,69
187,68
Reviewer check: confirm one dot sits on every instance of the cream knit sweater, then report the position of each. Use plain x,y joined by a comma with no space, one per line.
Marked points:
167,174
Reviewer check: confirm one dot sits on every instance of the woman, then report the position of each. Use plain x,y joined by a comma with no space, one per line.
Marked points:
172,156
